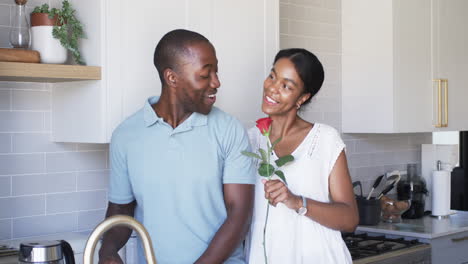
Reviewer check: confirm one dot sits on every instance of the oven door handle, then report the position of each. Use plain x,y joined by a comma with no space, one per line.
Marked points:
460,239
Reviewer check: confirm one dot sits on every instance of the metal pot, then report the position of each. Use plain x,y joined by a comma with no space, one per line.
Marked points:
46,252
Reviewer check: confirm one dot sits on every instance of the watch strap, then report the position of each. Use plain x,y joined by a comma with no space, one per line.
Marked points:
303,209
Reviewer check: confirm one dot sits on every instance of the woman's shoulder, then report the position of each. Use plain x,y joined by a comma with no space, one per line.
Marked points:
327,137
326,131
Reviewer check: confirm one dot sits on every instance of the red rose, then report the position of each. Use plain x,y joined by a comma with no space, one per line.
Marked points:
264,125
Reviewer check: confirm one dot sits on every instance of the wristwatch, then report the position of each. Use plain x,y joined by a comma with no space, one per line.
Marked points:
303,209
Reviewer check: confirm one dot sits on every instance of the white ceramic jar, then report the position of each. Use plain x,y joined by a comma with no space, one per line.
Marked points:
49,47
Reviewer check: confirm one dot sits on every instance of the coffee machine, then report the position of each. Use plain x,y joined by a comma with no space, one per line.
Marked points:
412,188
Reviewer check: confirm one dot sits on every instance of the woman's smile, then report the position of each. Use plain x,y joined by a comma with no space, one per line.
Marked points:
268,100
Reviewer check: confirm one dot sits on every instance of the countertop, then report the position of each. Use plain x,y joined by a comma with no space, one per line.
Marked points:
427,227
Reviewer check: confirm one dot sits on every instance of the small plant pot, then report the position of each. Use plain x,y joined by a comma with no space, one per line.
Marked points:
50,49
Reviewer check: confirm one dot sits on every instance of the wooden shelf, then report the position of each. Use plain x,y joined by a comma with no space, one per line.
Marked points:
48,73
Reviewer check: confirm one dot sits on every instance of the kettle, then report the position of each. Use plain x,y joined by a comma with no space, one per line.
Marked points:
46,252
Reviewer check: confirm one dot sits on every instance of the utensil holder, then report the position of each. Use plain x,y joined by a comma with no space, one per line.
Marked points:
369,210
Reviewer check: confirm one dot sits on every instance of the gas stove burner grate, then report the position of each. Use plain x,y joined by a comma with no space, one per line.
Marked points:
363,245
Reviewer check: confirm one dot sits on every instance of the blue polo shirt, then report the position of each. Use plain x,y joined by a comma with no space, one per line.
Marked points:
176,175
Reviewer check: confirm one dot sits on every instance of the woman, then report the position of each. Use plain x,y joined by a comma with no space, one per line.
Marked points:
307,215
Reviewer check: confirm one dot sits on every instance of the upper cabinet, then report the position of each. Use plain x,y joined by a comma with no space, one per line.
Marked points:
404,66
122,36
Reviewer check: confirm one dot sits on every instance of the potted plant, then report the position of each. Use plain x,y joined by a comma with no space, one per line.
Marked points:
65,28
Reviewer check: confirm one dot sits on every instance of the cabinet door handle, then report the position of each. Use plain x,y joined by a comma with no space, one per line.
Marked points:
459,239
439,102
445,81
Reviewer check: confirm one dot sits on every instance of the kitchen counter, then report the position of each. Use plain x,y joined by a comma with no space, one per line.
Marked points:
427,227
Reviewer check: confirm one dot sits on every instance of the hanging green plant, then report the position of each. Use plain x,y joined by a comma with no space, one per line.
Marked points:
67,29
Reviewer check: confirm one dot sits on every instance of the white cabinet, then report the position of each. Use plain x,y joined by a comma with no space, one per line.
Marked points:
451,57
121,37
450,249
392,53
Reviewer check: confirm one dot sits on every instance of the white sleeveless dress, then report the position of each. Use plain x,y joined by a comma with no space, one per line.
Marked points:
291,238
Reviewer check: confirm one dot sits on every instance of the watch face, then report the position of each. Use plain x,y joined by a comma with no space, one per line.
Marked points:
302,211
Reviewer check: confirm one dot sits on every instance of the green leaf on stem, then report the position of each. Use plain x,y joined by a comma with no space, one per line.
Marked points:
283,160
266,170
281,175
275,142
264,155
250,154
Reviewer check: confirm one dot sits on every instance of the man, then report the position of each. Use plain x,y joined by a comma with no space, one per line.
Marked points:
176,165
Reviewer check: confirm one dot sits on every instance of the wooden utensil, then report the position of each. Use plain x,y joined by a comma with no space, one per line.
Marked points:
19,55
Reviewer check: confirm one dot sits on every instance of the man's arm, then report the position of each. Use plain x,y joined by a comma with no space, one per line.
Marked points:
114,239
239,205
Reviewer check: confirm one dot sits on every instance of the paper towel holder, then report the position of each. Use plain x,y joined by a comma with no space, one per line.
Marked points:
444,215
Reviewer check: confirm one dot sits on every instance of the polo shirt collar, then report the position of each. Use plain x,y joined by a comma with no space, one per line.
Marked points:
150,117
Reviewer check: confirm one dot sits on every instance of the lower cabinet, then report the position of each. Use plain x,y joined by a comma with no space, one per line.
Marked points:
450,249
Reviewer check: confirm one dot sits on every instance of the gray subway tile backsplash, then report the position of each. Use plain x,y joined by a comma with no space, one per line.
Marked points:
13,207
5,100
76,201
5,186
11,164
81,160
21,121
38,142
90,160
5,37
62,202
89,219
62,182
4,15
43,183
368,173
350,146
48,122
92,200
92,180
5,142
60,162
5,229
31,100
44,225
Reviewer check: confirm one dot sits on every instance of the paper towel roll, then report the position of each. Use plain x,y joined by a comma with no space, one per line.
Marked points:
440,193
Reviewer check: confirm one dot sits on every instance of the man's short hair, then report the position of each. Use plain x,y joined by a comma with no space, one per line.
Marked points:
171,47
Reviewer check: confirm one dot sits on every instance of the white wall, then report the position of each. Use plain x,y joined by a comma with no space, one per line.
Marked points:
316,26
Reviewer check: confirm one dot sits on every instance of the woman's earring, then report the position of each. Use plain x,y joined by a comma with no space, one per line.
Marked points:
298,106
